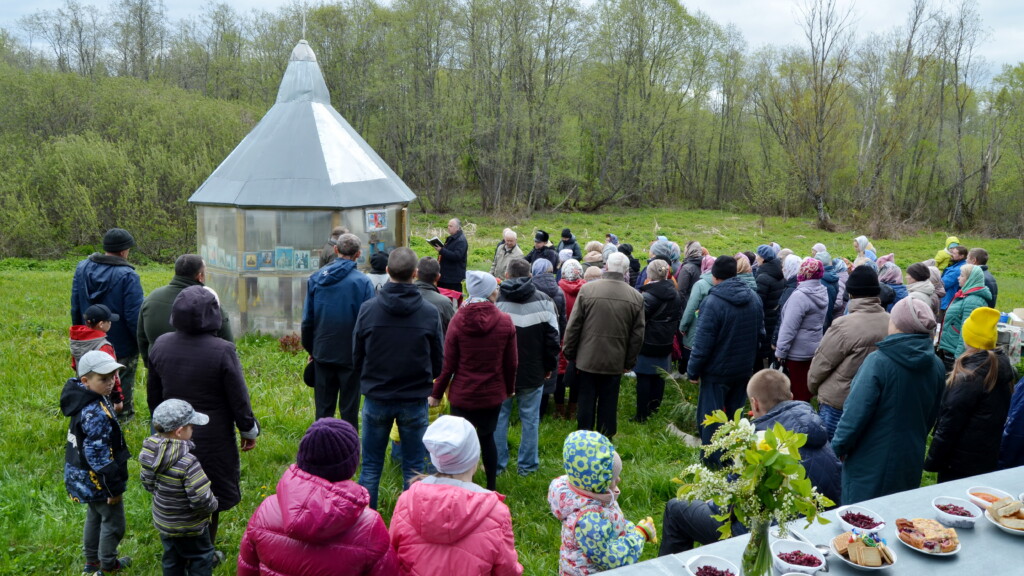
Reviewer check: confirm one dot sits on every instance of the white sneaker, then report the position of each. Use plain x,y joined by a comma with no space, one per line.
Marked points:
630,374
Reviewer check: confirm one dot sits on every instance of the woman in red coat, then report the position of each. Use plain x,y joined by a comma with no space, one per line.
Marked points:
480,362
319,522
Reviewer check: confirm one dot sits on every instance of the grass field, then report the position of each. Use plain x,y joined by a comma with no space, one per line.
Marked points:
41,527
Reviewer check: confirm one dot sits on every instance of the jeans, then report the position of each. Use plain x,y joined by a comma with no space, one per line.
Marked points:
830,416
127,375
104,529
187,555
599,402
728,394
529,418
336,386
688,522
378,417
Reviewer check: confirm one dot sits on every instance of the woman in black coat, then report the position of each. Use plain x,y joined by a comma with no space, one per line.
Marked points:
974,407
662,312
195,365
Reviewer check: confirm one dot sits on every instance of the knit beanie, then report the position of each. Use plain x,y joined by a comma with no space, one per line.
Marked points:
810,269
863,283
452,444
566,233
117,239
330,450
379,262
724,268
480,284
919,272
979,329
766,252
912,316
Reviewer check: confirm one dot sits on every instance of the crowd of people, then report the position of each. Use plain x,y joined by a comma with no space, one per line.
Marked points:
878,349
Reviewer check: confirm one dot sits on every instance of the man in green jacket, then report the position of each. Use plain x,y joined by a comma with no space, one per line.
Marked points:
893,403
155,315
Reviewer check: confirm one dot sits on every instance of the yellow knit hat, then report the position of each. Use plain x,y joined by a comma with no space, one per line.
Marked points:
980,329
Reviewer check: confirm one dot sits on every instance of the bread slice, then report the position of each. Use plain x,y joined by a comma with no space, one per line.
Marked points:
1004,507
1014,523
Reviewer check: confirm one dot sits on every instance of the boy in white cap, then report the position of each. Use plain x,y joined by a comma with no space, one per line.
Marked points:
445,524
96,460
182,496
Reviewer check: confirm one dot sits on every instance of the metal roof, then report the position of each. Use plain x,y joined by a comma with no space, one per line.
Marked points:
303,154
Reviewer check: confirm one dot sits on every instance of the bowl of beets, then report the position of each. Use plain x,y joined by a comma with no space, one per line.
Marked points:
956,512
707,565
859,518
792,556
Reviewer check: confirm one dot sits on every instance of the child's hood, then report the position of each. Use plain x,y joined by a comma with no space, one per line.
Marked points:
75,397
589,461
446,514
159,454
317,510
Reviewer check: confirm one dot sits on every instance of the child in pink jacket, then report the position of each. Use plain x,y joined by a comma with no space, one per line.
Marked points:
445,524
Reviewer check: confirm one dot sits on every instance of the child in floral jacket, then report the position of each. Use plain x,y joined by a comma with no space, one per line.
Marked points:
596,536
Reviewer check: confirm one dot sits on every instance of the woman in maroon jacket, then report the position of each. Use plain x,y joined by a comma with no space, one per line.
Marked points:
480,363
195,365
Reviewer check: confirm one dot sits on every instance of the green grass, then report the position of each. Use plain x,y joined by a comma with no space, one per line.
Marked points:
41,527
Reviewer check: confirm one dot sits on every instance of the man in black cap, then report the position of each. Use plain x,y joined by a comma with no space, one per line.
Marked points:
730,331
543,249
107,278
569,243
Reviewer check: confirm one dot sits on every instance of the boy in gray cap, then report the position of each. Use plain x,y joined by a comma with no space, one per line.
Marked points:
182,497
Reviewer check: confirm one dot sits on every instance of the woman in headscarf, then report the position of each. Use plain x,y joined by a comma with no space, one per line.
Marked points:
972,294
790,266
864,248
571,282
688,321
919,285
891,275
195,365
662,312
744,271
800,327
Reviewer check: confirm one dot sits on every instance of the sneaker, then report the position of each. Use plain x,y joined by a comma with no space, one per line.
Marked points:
218,558
630,374
91,568
122,563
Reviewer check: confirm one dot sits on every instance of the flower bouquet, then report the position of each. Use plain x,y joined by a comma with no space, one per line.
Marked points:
761,481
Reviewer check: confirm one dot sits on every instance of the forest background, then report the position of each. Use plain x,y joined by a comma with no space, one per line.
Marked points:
114,115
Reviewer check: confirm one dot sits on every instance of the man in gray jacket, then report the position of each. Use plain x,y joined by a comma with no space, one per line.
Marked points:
603,337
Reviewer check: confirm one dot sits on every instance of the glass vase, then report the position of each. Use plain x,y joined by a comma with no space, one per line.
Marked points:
757,559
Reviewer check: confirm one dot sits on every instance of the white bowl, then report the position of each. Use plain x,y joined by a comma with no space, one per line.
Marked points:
984,504
783,546
953,520
847,527
713,561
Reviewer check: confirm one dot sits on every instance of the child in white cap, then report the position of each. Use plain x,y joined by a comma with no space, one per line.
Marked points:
445,524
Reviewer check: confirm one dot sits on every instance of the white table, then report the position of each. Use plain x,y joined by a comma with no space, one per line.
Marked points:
985,550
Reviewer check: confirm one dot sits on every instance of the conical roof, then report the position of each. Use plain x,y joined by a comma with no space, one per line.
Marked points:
303,154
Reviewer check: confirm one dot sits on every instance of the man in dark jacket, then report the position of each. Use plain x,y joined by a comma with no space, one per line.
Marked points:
979,257
428,272
603,337
771,402
333,297
110,280
453,257
398,321
542,249
569,243
770,285
533,313
729,333
155,317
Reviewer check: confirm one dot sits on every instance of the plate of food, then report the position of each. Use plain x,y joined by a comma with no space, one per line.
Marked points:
955,512
927,536
984,496
859,518
790,556
863,551
1007,515
707,565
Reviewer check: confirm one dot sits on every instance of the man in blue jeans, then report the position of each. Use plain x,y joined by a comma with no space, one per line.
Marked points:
533,313
398,351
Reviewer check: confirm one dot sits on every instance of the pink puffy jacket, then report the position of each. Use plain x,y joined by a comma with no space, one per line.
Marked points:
443,527
314,527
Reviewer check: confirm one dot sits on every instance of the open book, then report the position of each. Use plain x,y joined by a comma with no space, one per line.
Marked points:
435,241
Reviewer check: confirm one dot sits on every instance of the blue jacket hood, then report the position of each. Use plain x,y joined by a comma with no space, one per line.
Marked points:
334,272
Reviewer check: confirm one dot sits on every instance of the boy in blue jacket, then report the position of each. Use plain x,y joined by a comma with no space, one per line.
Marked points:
96,460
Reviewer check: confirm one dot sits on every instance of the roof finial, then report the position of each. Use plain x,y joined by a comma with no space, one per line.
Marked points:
303,24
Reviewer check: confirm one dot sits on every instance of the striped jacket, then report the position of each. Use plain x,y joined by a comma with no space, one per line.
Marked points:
533,313
182,497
